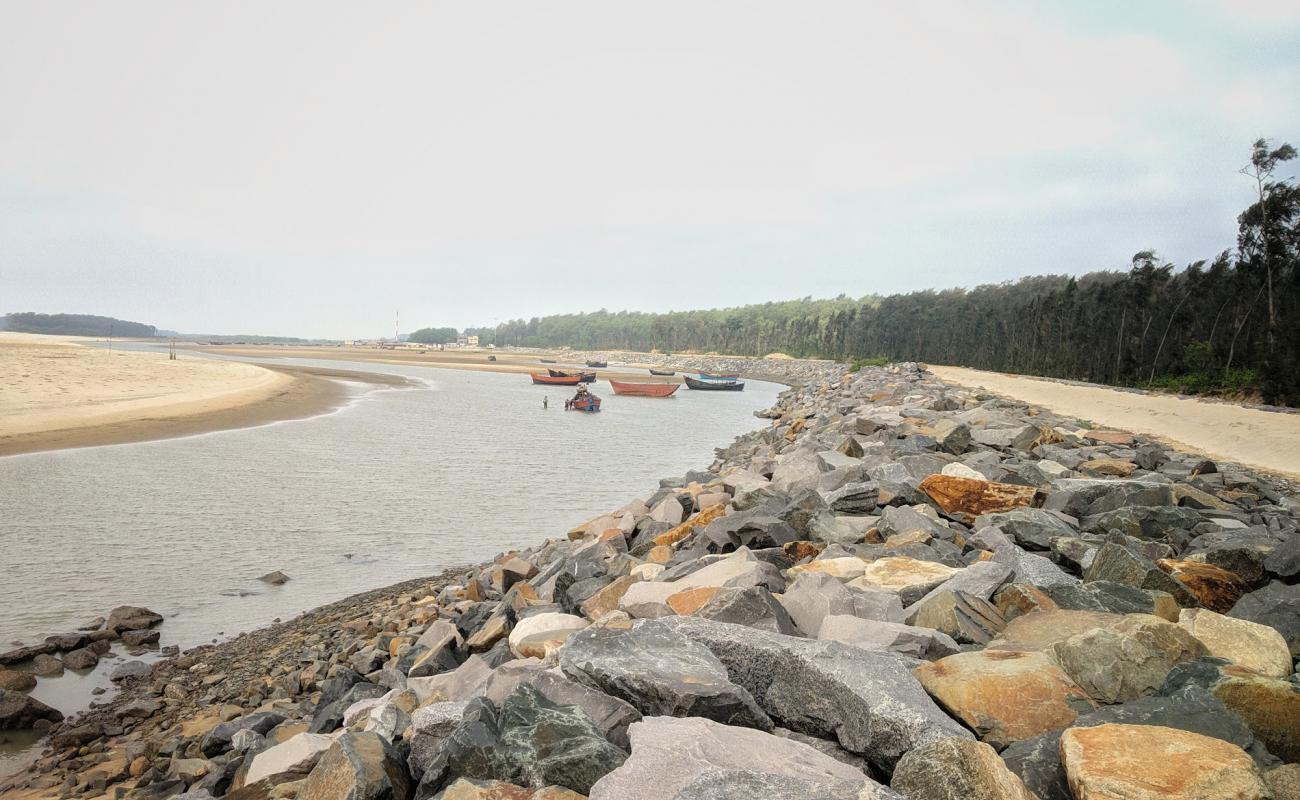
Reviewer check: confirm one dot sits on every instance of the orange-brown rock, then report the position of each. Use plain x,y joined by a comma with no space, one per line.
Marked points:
1004,696
688,527
1109,437
1216,588
1148,762
689,601
798,551
464,789
1017,599
606,600
659,554
1269,706
1118,467
967,498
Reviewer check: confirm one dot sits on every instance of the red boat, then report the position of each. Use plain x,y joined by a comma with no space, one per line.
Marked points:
551,380
645,389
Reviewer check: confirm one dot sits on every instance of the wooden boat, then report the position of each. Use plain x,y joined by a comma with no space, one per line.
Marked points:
492,358
551,380
715,385
586,377
726,376
644,389
583,401
598,364
546,360
664,372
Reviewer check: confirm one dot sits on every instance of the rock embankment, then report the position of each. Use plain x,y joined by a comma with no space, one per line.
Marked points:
898,589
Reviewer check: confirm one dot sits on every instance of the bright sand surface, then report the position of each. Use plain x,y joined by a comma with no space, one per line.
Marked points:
1266,440
56,393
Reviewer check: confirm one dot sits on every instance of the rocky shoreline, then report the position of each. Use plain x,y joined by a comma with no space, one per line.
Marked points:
897,589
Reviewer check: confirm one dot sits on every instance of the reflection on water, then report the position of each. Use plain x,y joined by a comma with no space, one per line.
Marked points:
399,484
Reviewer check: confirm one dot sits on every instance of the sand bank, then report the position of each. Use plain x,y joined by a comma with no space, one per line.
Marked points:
56,394
1265,440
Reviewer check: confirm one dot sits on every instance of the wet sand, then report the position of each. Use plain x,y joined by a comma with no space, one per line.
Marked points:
1265,440
56,393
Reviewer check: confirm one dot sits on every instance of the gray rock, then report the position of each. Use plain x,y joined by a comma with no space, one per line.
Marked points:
1081,497
677,759
611,715
894,637
217,741
84,658
1118,564
1276,605
1142,522
1031,527
867,700
529,741
754,607
432,725
980,579
660,672
815,595
1115,598
130,669
957,769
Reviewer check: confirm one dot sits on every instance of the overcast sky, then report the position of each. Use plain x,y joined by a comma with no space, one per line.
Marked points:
310,168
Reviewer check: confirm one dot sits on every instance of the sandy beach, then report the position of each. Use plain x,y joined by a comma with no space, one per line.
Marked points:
57,393
1264,440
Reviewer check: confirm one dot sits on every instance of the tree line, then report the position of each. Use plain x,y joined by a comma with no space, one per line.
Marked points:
1230,324
74,325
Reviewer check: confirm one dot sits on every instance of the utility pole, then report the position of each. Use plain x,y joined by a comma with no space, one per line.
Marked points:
397,326
110,337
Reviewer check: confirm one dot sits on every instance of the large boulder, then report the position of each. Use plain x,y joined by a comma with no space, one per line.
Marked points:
1276,605
217,740
696,758
131,618
1216,588
1004,695
965,499
893,637
1032,528
1192,708
537,634
17,681
1248,644
866,700
908,578
528,741
813,596
957,769
1119,564
611,715
19,711
358,766
660,672
1145,762
1126,659
291,759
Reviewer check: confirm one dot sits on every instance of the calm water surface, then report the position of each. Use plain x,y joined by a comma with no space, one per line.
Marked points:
396,485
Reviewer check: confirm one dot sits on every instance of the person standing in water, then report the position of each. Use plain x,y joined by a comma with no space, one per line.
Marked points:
545,402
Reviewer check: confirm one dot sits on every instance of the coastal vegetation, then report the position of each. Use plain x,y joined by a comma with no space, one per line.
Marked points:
434,336
73,325
1229,324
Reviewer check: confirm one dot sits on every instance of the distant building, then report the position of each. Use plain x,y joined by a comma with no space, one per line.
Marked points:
464,340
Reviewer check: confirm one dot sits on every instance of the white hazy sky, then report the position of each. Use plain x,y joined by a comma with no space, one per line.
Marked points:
309,168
